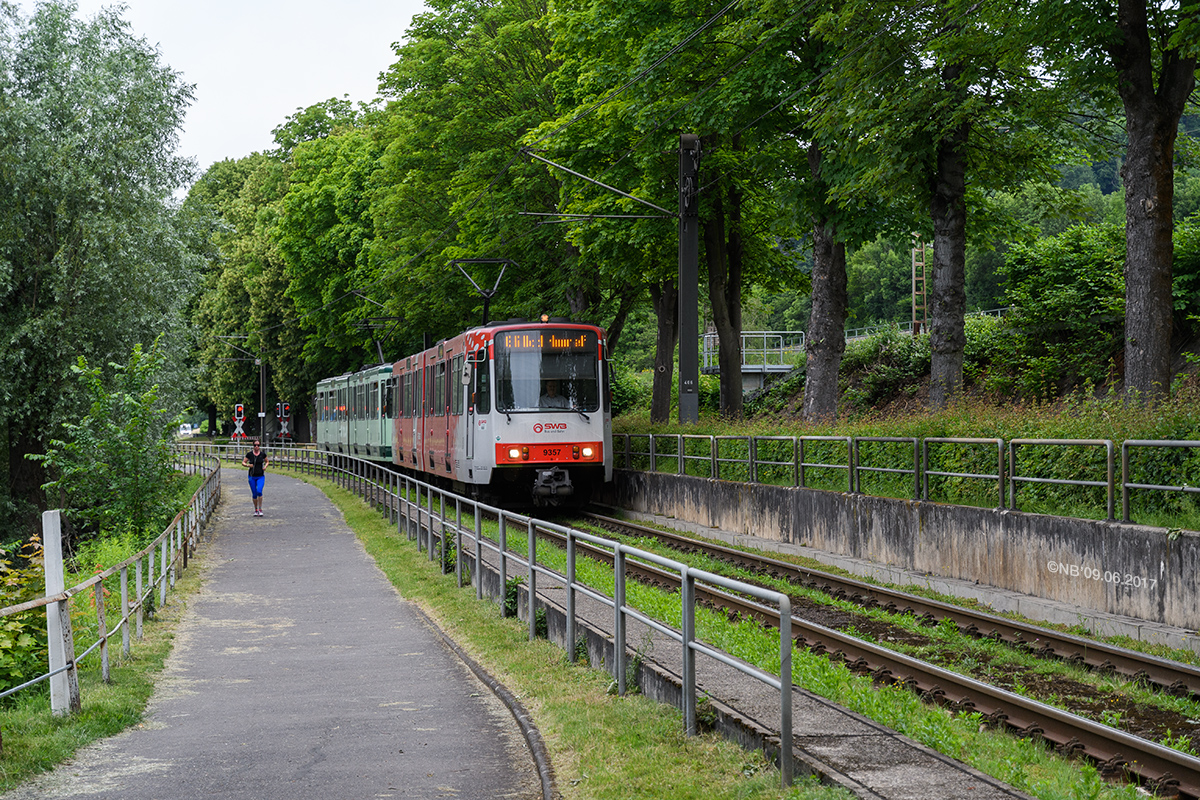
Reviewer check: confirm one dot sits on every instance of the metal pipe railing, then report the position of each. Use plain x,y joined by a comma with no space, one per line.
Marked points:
1014,478
411,509
1127,484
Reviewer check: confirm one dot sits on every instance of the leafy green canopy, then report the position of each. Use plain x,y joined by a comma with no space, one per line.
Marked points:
93,254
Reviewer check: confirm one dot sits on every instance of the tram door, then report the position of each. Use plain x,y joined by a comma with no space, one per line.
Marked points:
469,418
479,399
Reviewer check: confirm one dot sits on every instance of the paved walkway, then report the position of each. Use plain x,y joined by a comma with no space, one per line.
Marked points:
299,672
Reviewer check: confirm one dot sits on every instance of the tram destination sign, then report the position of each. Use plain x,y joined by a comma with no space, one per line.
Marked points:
548,341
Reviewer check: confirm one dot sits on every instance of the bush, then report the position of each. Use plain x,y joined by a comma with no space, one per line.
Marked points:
115,466
1068,308
627,392
23,648
879,367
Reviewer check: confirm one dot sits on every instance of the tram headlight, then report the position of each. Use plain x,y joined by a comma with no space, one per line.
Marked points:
588,452
514,453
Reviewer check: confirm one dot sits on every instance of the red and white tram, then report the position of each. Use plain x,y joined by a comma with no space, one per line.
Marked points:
516,410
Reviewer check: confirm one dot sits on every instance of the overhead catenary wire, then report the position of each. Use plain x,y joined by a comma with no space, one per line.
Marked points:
610,97
504,169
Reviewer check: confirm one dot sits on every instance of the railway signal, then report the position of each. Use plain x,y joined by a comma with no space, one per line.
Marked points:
239,419
283,413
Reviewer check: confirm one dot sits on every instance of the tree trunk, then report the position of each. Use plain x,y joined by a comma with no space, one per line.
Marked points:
1152,124
25,480
826,340
948,301
723,255
665,298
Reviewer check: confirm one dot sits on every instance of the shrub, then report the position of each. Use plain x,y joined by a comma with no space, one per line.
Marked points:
1068,306
877,368
627,392
114,466
23,646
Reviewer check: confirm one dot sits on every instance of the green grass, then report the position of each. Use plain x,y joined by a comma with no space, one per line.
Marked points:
601,746
557,692
1081,416
33,740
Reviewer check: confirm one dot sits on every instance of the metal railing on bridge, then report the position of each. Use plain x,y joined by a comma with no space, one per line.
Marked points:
780,351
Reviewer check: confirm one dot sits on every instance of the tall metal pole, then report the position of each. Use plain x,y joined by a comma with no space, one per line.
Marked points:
262,399
689,281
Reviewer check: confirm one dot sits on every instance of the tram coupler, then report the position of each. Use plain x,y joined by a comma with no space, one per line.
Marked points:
552,483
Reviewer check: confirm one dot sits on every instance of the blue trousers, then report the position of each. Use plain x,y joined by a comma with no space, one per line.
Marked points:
256,485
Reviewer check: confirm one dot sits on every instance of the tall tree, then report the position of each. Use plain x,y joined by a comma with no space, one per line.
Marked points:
826,339
470,81
92,255
1139,57
947,101
641,74
1154,54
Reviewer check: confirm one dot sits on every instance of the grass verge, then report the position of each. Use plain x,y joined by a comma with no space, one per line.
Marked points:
602,749
601,746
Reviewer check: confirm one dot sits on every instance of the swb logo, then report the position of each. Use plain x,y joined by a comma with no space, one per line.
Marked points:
549,426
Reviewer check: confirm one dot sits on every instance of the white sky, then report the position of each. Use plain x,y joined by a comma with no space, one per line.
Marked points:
254,62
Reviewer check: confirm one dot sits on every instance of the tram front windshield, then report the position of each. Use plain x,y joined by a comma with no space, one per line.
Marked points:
546,369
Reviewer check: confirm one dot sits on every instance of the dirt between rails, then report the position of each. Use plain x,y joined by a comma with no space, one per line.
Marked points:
1103,704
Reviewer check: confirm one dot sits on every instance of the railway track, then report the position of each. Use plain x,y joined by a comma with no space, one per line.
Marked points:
1162,769
1171,677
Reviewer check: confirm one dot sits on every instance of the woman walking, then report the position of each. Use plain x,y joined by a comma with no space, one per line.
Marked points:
257,461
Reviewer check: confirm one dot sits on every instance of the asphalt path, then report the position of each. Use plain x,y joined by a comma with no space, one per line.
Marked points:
299,672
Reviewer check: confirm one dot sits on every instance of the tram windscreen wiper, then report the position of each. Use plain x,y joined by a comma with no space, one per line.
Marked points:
577,410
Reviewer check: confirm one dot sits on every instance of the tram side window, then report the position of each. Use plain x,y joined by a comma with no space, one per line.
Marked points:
419,392
430,386
373,403
456,386
439,389
406,395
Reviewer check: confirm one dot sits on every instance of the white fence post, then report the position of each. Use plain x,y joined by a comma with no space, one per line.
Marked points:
64,686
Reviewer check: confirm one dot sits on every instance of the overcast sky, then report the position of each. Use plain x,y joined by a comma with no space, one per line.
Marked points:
254,62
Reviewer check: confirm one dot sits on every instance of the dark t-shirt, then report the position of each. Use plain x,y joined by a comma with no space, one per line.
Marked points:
256,462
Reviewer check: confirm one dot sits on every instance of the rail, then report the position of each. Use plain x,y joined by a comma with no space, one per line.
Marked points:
791,461
434,518
906,327
171,549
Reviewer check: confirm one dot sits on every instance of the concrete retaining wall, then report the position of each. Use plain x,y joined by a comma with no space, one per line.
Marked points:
1132,570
